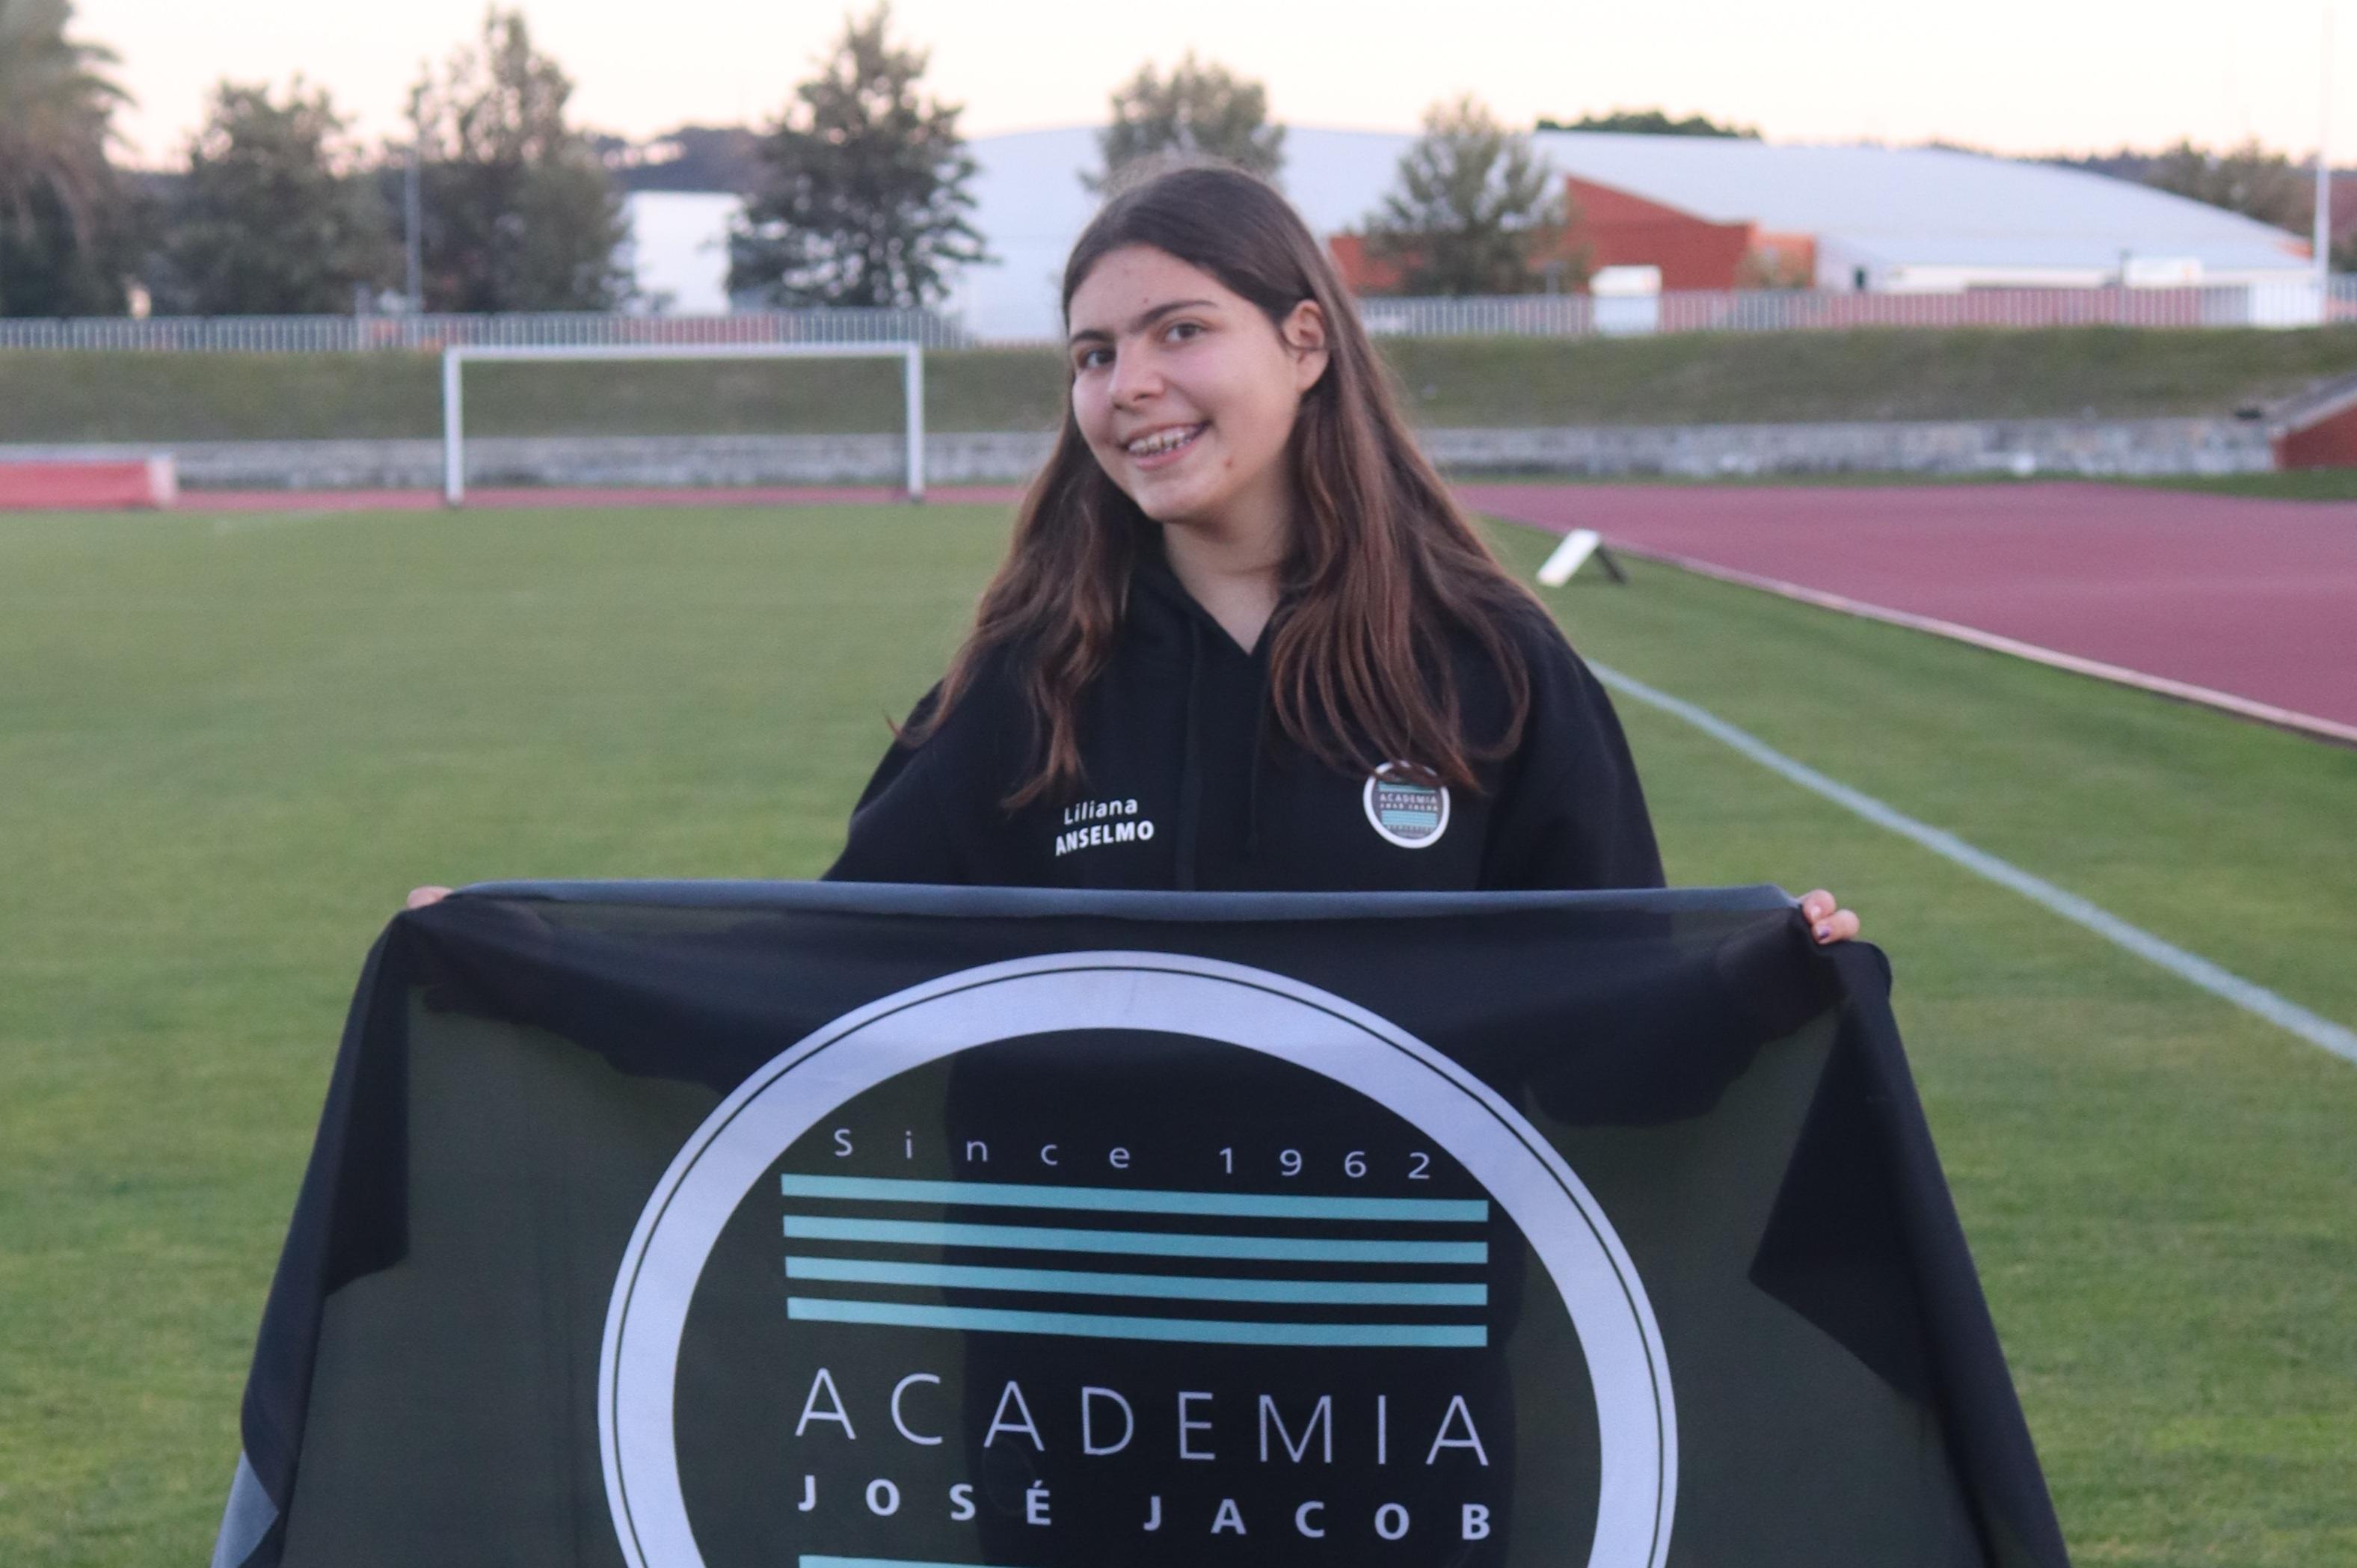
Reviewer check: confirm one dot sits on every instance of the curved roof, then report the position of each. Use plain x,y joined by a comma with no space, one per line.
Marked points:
1927,205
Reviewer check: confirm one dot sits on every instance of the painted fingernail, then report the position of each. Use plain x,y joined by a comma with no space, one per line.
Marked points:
1824,929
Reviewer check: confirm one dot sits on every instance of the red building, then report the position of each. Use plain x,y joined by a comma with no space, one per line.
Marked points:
1618,230
2319,430
2341,202
1362,273
1612,228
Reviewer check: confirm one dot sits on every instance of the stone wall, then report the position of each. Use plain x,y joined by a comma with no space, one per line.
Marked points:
2053,446
2027,446
698,460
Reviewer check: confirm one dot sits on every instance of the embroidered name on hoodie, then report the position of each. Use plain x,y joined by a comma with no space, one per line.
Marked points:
1107,821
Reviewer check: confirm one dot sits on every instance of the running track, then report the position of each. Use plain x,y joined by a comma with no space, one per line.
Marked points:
2256,599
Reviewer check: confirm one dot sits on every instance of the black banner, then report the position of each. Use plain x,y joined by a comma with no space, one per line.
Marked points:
823,1226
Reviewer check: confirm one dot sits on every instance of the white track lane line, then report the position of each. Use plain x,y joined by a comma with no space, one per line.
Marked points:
2191,967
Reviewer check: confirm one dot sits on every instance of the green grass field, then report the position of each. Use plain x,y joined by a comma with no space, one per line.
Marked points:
229,744
1698,377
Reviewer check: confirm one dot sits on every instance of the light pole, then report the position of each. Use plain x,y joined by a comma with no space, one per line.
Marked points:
412,207
2322,242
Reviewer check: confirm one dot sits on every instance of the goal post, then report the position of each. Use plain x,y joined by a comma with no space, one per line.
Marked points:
911,356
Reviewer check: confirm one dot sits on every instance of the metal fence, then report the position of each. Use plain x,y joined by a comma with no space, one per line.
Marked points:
1503,316
1802,310
346,334
1525,316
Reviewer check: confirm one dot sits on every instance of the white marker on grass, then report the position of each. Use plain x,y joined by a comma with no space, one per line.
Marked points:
1572,554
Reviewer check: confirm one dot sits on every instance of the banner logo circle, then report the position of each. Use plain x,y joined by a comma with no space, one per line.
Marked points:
1207,999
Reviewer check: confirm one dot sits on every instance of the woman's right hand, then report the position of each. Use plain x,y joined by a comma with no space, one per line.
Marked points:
420,897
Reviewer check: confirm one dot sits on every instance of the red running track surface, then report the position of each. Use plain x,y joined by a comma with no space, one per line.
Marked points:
80,484
2255,598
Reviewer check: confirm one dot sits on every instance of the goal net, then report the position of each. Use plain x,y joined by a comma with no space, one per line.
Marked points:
454,361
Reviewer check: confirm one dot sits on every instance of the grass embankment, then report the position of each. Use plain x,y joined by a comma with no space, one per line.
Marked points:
1699,377
231,743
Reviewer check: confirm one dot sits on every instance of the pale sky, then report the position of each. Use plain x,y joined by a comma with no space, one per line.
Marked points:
2010,75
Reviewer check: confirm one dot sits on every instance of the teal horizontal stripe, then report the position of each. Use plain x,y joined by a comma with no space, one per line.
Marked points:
1123,1200
1086,1325
1069,1281
1150,1243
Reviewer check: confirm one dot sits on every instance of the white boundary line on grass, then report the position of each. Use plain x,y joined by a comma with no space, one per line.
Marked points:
2189,967
2183,690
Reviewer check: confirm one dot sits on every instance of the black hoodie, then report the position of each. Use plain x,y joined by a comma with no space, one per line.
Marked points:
1190,783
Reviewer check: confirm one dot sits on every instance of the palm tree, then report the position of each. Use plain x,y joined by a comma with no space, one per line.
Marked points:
55,121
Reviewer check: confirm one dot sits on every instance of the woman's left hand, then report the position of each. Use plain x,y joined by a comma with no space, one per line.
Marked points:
1828,921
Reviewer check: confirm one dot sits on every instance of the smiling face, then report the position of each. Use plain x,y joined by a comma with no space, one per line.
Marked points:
1186,391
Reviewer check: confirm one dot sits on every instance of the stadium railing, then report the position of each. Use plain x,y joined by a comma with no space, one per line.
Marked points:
1515,315
1796,310
344,334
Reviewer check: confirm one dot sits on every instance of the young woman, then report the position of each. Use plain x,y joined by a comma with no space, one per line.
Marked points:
1243,639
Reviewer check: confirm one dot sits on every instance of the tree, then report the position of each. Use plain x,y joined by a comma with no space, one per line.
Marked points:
1653,122
2247,179
273,217
863,197
1198,109
519,214
68,221
1473,210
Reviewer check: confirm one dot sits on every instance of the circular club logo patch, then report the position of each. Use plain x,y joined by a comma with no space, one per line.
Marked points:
1406,813
984,1363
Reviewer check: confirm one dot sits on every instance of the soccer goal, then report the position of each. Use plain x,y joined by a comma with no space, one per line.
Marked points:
454,359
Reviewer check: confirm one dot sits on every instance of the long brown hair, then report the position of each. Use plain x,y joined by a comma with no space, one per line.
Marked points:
1382,562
